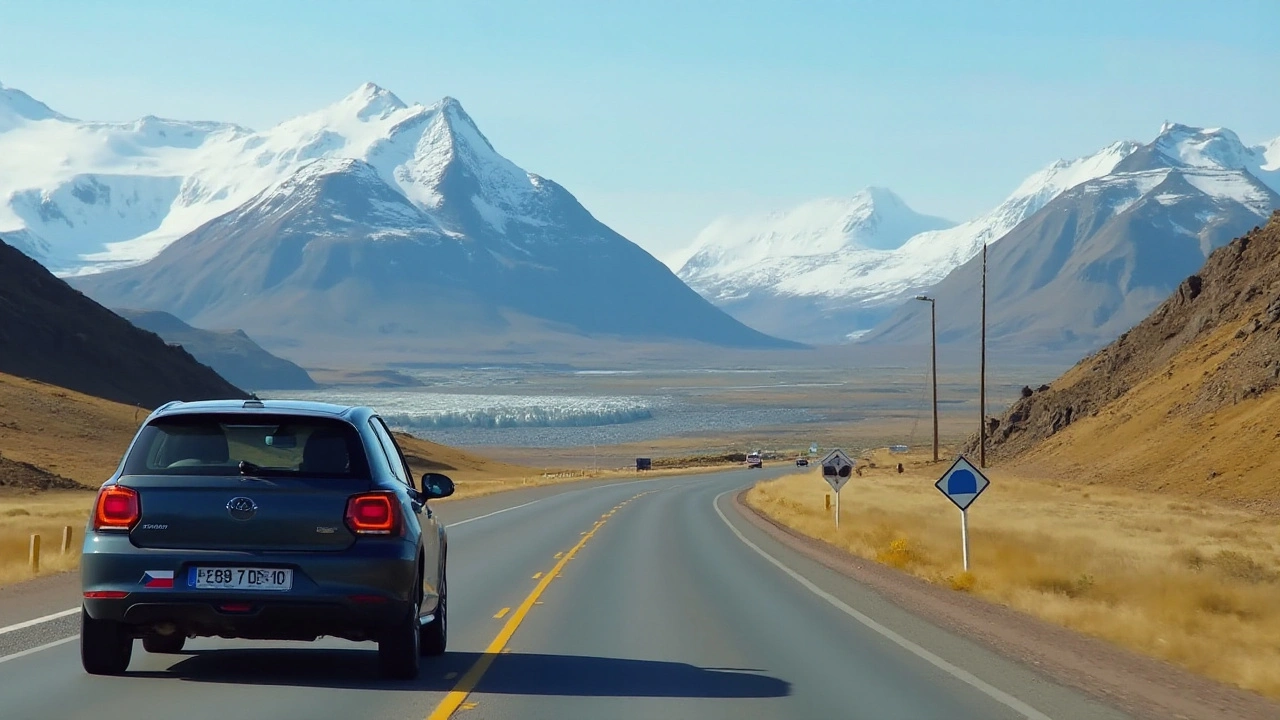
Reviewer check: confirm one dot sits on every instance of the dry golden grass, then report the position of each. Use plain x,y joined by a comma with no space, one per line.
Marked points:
45,513
1189,582
65,432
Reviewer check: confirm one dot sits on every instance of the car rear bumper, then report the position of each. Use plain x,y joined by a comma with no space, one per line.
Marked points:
353,594
258,619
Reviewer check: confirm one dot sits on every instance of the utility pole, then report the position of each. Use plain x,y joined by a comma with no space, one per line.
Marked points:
982,370
933,343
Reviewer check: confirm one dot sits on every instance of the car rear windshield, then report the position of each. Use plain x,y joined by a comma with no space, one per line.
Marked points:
230,444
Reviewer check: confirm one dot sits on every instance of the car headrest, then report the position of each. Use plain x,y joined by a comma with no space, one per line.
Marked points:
326,452
207,445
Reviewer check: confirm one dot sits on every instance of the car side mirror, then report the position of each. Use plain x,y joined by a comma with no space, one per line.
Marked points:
435,485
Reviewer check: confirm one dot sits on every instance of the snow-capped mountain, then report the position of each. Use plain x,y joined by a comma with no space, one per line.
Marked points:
1100,256
19,108
398,225
86,196
834,295
736,253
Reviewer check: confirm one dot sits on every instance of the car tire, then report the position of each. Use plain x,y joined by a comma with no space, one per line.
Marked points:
106,647
164,644
433,636
398,653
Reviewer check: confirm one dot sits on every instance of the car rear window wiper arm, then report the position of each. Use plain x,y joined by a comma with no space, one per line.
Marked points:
250,469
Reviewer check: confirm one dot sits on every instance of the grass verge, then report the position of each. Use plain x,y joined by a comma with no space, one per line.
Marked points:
46,513
1189,582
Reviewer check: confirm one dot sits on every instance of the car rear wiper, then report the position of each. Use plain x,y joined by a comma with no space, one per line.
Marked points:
249,469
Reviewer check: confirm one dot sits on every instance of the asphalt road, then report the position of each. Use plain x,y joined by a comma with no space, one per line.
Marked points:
647,599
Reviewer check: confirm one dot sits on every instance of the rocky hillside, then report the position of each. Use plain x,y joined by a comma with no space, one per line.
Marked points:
231,353
1185,401
51,333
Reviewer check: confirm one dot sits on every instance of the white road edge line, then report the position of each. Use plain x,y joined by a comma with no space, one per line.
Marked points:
39,620
38,648
496,512
958,673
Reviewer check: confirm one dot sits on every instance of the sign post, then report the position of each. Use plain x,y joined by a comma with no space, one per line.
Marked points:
836,469
962,483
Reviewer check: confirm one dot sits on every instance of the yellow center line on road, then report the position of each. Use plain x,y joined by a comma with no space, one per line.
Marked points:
458,695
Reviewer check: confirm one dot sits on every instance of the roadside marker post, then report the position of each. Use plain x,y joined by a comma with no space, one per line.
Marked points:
66,539
836,469
33,554
962,483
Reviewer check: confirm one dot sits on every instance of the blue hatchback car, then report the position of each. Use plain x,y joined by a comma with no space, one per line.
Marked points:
264,520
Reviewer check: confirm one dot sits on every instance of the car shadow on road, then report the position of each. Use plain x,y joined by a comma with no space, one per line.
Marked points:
509,674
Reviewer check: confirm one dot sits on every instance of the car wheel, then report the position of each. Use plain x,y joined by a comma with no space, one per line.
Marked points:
105,646
162,644
435,635
398,654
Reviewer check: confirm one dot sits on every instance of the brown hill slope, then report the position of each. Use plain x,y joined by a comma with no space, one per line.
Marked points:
63,432
1185,402
52,333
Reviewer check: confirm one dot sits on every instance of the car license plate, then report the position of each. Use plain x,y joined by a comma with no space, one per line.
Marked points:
240,578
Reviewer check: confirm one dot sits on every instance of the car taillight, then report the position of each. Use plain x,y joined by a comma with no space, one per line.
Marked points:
117,509
373,514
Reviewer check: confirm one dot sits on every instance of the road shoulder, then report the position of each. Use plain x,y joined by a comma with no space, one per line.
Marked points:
1141,686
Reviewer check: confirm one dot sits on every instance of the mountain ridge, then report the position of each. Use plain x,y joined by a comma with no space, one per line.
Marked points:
465,249
852,298
53,334
846,298
231,353
1100,256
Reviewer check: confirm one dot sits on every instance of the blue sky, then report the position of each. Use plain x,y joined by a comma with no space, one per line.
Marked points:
661,115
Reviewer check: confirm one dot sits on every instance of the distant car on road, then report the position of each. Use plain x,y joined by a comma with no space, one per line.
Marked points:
802,462
264,520
755,461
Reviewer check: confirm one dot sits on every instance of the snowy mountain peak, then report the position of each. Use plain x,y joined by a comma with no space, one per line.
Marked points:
1271,155
460,122
451,151
881,197
371,101
1062,175
1187,146
822,232
17,106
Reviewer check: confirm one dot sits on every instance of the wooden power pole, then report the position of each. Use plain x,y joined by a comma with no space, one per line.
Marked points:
982,370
